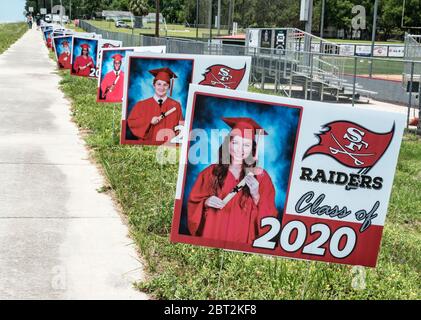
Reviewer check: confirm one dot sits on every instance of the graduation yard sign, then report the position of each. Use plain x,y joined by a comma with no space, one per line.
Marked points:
156,91
112,69
285,177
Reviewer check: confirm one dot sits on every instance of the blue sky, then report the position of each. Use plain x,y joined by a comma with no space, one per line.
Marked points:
12,10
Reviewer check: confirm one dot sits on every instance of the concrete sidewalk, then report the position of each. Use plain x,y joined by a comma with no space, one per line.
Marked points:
59,237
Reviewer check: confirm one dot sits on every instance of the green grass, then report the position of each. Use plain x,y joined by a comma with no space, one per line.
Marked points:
9,33
386,66
145,190
171,30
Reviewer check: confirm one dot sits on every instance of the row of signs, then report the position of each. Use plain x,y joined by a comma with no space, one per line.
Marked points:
365,50
258,173
277,39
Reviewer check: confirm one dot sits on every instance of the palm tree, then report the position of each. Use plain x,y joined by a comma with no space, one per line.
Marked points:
139,8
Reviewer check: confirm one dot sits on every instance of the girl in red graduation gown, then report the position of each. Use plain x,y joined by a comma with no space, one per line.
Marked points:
153,120
64,58
83,63
237,220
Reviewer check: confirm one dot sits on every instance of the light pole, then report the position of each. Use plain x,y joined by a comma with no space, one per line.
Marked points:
210,18
373,35
322,19
219,18
197,20
157,19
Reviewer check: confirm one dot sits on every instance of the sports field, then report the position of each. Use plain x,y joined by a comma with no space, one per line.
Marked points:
168,30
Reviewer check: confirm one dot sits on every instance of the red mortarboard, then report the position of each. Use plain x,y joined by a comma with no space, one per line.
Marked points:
85,46
244,127
117,57
164,74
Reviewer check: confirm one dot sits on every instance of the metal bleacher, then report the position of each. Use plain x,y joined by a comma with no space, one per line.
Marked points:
316,74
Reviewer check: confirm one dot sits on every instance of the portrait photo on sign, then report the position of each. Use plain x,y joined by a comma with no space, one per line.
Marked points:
236,168
285,177
111,75
84,57
63,50
159,120
111,71
156,98
48,37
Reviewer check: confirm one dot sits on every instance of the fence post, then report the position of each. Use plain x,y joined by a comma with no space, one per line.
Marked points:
354,82
262,84
419,106
311,75
410,94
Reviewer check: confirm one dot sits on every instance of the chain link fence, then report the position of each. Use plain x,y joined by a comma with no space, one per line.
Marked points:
306,75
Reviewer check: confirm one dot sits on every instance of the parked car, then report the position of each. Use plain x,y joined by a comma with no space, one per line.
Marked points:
121,24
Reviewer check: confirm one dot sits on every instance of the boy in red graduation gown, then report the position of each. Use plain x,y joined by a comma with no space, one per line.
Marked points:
64,58
83,63
113,83
229,199
153,120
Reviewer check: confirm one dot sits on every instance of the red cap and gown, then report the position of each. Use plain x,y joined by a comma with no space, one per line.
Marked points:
64,58
113,83
239,220
49,39
139,120
82,61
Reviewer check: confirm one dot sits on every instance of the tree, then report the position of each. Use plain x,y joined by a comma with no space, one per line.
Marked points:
119,5
138,7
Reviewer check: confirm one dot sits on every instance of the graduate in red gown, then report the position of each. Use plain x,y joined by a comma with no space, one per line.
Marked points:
49,40
83,63
229,199
64,58
113,83
153,120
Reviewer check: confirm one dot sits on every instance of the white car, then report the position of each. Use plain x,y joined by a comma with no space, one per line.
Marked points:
121,24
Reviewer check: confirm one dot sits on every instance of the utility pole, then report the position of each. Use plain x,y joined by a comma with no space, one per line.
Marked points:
157,19
306,14
322,19
219,18
309,22
197,20
373,35
70,14
230,15
210,18
61,12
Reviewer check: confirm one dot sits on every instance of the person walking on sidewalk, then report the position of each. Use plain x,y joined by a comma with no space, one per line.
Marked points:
29,21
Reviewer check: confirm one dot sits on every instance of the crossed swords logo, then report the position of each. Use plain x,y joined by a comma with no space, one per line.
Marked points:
353,155
217,81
